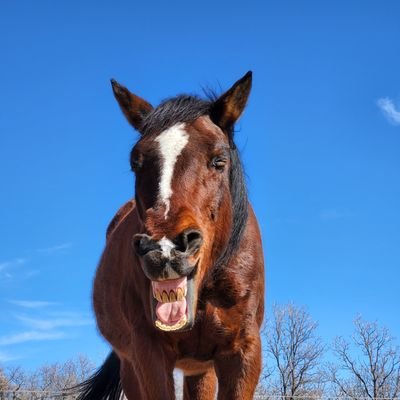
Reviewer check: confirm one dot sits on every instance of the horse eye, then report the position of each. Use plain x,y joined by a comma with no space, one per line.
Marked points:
218,163
136,164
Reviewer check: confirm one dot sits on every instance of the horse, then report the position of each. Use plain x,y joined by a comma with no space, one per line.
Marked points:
180,283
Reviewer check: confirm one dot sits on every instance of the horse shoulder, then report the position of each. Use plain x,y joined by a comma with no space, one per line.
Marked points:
111,277
128,207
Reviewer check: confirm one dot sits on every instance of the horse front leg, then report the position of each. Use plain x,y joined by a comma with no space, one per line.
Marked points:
238,371
151,371
130,382
200,387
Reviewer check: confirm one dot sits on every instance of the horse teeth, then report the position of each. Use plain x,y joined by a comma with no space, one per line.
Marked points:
175,327
174,295
165,298
179,294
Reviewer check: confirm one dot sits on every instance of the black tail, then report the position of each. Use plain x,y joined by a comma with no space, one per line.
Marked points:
105,384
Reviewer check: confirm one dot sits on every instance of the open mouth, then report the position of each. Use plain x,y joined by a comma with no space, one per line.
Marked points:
173,302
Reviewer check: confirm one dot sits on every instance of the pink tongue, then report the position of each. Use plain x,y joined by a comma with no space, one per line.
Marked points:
171,313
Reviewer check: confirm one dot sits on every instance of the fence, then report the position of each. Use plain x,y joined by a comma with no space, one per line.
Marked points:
46,395
267,396
34,395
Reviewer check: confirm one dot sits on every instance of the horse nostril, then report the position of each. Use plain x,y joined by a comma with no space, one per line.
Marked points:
189,241
143,243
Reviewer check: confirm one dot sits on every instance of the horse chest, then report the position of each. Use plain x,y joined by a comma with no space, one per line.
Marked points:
196,352
205,339
191,366
197,346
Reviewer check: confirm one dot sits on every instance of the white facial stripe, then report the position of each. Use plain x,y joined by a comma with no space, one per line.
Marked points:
171,143
166,246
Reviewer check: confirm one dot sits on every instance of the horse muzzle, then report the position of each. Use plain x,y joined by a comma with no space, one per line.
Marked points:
165,259
171,267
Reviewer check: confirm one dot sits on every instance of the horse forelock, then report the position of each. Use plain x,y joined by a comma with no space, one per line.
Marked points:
179,109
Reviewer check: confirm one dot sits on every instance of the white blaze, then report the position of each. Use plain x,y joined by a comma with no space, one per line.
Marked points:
166,246
171,143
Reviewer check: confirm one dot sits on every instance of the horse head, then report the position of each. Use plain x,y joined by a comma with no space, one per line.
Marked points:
190,195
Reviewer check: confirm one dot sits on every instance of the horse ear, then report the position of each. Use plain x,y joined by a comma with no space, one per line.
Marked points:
227,109
134,107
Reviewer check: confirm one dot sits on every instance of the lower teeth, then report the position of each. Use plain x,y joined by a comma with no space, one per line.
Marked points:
175,327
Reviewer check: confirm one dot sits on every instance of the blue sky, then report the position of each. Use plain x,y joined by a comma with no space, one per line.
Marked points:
320,141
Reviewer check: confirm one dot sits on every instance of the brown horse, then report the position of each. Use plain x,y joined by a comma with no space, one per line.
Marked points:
181,281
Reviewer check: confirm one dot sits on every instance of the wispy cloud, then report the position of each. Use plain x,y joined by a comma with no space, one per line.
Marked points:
54,326
39,320
389,110
32,303
30,336
12,263
4,357
48,324
55,249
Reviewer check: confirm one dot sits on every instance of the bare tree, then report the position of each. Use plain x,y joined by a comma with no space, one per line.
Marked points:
294,351
51,378
3,381
17,378
57,377
369,365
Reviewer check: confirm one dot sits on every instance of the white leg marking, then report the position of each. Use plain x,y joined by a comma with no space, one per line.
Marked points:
171,143
166,246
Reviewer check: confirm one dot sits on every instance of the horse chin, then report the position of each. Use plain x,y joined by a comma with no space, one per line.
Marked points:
174,311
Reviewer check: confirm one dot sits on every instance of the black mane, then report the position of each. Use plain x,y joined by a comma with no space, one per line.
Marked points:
185,108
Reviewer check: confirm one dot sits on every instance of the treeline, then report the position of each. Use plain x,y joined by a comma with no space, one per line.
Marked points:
50,378
297,363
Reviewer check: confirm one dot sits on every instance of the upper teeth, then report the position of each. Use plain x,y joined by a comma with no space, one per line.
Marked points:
174,295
